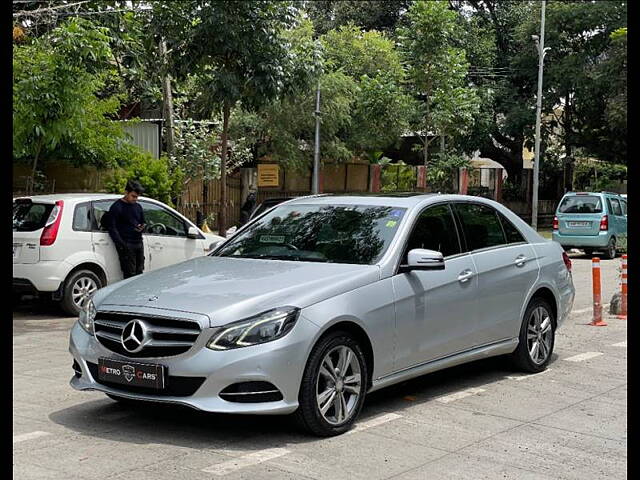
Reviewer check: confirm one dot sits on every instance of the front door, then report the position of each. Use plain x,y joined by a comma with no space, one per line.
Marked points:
435,310
166,236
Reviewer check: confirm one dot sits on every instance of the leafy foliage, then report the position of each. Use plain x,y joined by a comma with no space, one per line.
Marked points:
158,179
56,110
437,68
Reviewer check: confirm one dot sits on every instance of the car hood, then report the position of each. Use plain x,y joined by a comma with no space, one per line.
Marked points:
228,289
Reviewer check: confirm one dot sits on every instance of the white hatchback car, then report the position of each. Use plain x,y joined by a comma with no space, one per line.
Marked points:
61,249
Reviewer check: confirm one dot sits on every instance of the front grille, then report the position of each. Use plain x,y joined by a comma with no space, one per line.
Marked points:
76,369
173,386
169,336
251,392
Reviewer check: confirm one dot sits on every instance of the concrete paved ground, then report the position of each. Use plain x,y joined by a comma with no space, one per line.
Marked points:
478,421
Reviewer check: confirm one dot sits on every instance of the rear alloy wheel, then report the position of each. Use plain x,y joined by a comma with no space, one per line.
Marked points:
78,288
333,386
611,251
537,337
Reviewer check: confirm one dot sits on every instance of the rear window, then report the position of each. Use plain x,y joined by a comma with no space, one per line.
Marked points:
29,217
581,204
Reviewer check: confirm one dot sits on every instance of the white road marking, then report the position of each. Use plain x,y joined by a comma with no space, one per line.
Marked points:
458,395
519,378
29,436
248,460
620,344
374,422
583,356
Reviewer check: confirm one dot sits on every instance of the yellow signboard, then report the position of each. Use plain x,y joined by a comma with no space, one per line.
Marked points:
268,175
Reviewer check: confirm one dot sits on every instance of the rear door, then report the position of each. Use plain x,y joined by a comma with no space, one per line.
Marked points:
29,219
580,214
166,236
620,220
435,310
507,270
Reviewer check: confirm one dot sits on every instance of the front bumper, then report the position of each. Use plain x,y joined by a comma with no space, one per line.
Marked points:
590,241
280,363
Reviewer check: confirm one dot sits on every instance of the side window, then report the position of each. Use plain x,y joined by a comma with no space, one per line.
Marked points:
435,229
624,207
481,226
99,209
82,217
617,210
609,206
162,222
511,232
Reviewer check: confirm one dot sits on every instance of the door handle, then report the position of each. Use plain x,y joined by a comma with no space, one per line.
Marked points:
156,246
101,242
465,275
520,260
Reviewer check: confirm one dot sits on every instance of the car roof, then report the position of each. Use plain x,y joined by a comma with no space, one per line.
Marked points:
76,197
394,199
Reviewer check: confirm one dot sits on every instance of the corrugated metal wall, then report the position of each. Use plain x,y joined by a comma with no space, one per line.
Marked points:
145,135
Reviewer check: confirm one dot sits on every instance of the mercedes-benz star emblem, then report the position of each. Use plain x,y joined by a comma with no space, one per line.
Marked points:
134,336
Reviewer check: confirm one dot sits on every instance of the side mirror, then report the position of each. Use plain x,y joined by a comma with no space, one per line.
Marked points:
193,233
215,245
423,259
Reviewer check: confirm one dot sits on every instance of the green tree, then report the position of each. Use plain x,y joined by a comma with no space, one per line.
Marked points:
57,113
579,35
437,69
238,52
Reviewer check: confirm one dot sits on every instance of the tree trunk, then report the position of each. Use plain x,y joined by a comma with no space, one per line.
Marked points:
30,187
167,98
226,111
443,144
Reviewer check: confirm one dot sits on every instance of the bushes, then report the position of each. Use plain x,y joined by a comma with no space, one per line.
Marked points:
158,180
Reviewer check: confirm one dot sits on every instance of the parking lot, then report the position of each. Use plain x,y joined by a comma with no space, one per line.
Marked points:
480,420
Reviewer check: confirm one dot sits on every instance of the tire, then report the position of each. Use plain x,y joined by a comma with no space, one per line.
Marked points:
611,250
335,348
77,281
524,357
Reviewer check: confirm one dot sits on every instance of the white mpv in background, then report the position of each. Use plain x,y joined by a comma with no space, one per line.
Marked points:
61,249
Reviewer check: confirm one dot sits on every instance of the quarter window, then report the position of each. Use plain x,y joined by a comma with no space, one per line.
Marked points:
616,207
435,229
82,218
511,232
481,226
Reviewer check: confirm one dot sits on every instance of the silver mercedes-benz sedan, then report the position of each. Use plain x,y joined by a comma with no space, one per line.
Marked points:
322,299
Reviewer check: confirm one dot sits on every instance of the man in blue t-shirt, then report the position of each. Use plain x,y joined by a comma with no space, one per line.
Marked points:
126,224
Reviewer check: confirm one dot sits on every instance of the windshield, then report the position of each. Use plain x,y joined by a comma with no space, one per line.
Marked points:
581,204
358,234
29,217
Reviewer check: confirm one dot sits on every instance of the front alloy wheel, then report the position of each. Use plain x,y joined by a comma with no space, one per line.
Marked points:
333,385
339,385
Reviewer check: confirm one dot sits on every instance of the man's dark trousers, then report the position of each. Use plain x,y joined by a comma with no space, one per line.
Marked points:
131,257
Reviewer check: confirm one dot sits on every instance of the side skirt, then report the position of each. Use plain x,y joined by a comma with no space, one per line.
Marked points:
502,347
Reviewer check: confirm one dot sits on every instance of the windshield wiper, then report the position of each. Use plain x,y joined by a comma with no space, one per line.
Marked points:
296,258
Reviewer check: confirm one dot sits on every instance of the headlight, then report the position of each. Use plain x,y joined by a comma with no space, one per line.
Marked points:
87,315
266,327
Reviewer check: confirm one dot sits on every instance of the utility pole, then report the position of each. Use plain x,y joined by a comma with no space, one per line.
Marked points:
315,188
536,166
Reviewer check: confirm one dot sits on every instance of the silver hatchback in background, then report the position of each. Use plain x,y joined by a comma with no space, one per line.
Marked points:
322,299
